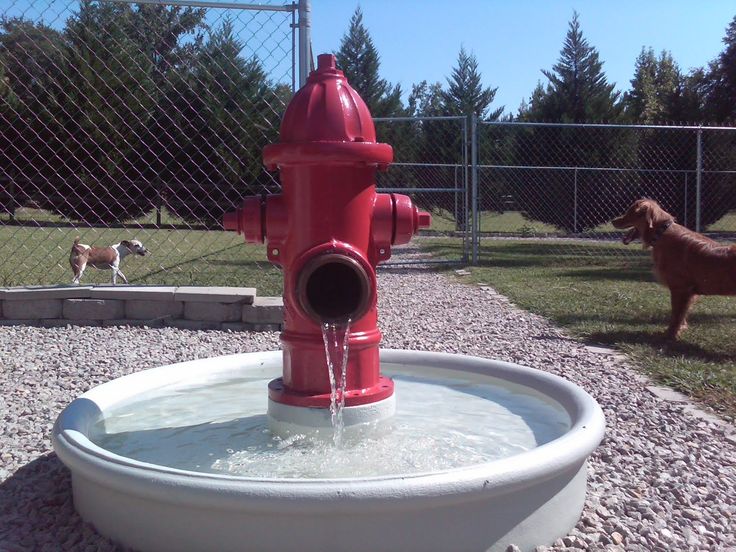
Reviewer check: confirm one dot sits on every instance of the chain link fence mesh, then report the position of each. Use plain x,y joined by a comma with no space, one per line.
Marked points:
430,166
142,121
124,120
565,183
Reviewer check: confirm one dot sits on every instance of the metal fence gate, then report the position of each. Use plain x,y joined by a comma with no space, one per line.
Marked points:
430,165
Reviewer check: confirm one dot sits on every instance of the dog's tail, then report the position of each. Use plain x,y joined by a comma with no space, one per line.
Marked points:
76,248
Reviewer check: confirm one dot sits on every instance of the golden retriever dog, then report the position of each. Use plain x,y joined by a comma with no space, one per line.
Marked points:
688,263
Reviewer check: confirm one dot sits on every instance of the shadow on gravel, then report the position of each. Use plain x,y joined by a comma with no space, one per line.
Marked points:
37,511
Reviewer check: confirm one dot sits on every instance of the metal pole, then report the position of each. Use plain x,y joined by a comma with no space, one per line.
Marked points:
474,169
11,190
305,40
294,27
575,203
698,179
685,221
457,199
159,202
465,195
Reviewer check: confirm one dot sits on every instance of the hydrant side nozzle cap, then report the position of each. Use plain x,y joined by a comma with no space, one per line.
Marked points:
424,219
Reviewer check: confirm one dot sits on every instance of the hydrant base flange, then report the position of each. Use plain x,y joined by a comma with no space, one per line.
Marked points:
279,393
286,420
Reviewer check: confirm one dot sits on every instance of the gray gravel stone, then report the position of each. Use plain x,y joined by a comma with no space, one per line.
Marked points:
662,479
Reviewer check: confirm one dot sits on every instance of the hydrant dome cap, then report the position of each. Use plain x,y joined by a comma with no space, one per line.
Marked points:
327,109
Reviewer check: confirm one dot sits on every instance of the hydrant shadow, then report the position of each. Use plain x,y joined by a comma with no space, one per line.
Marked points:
37,511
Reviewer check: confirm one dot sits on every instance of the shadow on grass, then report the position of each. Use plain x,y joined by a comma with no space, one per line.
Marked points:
636,319
657,341
182,264
247,263
618,274
639,318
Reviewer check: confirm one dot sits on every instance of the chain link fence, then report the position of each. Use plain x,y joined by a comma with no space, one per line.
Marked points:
147,121
143,120
431,166
565,182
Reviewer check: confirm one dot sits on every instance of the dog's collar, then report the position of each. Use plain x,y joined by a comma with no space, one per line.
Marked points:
659,231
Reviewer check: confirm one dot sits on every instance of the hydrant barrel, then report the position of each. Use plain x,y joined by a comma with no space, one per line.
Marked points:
328,229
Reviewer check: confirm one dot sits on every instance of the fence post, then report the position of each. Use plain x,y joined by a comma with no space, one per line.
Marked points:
457,204
294,27
698,179
305,40
466,194
685,221
575,202
474,178
159,202
13,204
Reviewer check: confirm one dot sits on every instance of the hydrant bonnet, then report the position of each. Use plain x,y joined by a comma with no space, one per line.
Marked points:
327,122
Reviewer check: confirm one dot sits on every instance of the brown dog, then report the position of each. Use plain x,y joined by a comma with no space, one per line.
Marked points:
83,255
688,263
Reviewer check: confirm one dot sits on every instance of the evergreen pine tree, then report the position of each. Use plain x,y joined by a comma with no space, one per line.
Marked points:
425,100
359,60
655,89
718,84
690,106
465,94
721,98
108,105
32,144
228,124
578,91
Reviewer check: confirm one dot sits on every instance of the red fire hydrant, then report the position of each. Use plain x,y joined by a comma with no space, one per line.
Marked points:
328,229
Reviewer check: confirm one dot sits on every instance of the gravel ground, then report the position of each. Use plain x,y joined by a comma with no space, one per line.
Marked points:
663,479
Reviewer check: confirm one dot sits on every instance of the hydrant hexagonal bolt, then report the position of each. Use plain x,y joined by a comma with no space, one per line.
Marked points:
330,229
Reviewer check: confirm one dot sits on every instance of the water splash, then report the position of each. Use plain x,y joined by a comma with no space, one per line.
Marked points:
335,337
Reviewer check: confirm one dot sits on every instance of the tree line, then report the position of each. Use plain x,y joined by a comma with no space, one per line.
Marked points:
576,91
131,106
128,106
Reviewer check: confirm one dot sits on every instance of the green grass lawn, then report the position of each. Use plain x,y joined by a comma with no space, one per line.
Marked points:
601,292
604,295
513,222
510,222
40,255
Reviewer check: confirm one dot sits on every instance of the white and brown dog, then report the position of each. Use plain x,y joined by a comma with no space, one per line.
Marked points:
103,257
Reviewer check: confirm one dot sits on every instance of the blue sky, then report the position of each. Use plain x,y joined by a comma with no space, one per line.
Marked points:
514,39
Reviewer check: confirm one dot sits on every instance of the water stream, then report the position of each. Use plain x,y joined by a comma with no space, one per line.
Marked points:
335,337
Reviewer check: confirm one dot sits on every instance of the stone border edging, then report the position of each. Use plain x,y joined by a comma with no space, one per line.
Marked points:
184,307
